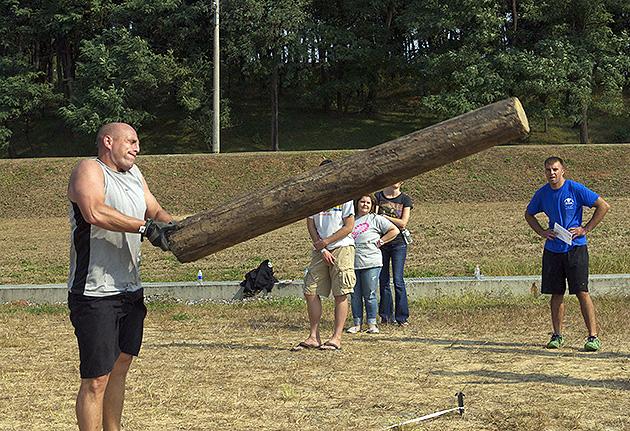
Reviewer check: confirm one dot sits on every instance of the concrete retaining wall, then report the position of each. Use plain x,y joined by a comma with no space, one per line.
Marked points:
609,284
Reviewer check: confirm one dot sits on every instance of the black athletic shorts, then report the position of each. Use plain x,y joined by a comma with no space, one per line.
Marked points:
560,268
105,327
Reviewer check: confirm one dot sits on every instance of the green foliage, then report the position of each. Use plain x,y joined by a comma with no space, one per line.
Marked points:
558,64
465,65
621,133
267,41
576,62
195,95
22,97
147,62
263,34
118,78
180,317
356,45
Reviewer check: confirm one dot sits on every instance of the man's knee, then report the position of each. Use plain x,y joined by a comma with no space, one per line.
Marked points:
583,297
94,385
311,298
340,299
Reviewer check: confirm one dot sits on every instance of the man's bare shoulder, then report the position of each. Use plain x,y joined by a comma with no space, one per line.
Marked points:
85,175
85,167
87,164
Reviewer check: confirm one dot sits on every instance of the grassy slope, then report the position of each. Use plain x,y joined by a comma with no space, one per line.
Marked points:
466,213
187,184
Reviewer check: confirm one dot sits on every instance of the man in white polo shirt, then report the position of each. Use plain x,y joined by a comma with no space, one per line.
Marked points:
331,269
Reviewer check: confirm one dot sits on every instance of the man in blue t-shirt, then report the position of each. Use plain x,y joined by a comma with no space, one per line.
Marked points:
565,257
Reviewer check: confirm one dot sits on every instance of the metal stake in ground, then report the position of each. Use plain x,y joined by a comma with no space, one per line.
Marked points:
460,402
366,171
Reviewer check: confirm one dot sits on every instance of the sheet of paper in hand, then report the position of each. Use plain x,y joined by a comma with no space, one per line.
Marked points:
563,234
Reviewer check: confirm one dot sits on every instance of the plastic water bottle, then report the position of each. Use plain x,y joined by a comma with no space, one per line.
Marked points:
477,273
199,278
407,236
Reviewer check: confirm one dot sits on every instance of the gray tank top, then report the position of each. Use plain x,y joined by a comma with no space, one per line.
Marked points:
102,262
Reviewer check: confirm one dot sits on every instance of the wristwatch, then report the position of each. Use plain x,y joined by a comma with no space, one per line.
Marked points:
142,228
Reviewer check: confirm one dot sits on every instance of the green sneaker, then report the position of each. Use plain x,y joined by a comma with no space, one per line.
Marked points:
556,342
592,344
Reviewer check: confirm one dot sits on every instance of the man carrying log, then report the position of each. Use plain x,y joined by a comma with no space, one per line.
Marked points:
331,269
111,207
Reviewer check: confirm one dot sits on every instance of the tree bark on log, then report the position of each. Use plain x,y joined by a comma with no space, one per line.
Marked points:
367,171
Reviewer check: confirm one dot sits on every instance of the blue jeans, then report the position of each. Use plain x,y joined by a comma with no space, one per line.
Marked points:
365,291
397,255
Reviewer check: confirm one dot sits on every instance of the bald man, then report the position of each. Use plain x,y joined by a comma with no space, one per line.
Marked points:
111,211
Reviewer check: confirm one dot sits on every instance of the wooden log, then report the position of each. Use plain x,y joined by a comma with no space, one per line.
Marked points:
366,171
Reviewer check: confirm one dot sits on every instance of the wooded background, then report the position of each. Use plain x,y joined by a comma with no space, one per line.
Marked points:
72,65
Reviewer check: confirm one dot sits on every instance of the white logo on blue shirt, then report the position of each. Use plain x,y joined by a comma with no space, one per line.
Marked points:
569,203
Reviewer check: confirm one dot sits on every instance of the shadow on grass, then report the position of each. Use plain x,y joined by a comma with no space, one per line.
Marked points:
489,347
509,377
503,348
230,346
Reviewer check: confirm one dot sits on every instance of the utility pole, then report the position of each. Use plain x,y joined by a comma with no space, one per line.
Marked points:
216,109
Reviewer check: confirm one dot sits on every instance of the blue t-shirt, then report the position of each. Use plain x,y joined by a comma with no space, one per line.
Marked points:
563,206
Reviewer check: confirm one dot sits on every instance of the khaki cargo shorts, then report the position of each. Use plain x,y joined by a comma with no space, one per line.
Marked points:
321,278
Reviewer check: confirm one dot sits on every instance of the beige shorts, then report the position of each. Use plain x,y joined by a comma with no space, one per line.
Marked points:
321,278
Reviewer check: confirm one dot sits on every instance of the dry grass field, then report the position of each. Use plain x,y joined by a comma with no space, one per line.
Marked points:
228,366
449,240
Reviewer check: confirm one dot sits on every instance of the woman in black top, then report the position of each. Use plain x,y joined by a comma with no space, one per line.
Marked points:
395,206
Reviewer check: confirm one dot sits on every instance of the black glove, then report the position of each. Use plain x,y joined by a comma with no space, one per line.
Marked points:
157,232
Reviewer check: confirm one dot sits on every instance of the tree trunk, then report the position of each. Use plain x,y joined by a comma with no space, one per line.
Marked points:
366,171
274,107
50,69
12,152
584,127
323,70
514,16
370,100
27,136
65,63
339,103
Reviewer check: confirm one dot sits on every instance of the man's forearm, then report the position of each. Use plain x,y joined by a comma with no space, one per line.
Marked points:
162,216
341,233
533,223
601,208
